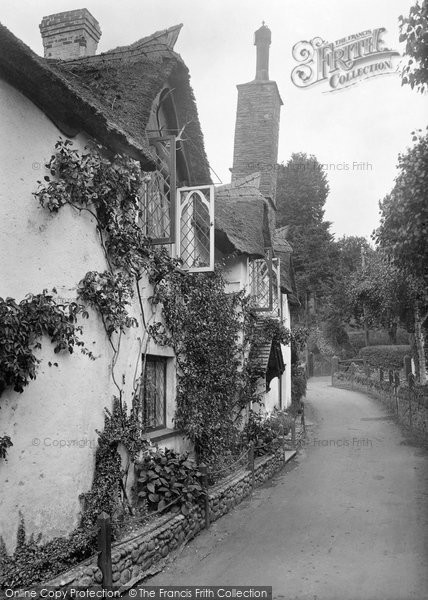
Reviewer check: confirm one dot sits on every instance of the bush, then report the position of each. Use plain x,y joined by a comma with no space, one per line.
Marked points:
388,357
33,562
377,338
168,478
265,433
298,383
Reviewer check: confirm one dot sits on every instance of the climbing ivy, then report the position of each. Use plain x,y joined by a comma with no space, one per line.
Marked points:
5,443
108,190
108,492
110,294
23,324
202,323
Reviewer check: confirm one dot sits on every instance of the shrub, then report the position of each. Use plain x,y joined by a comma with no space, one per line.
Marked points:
33,562
298,383
168,478
377,338
388,357
265,432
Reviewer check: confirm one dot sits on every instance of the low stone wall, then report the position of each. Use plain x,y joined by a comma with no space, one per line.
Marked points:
159,538
408,410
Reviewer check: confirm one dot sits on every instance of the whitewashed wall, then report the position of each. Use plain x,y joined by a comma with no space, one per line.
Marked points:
52,423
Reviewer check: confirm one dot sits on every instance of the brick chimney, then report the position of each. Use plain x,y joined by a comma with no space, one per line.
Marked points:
257,122
70,34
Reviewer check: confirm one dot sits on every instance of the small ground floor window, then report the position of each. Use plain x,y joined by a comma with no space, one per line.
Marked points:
153,393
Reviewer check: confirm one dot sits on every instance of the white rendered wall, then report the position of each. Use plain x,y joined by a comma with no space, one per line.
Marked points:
52,423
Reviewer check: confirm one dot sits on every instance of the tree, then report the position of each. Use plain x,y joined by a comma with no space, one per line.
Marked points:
413,31
302,191
380,295
336,310
403,230
403,233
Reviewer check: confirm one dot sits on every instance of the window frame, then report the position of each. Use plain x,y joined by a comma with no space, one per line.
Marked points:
268,260
172,183
143,400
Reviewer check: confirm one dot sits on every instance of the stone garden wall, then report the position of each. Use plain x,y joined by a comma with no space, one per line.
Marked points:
133,557
410,407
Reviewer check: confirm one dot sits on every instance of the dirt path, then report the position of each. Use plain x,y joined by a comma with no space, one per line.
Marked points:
347,521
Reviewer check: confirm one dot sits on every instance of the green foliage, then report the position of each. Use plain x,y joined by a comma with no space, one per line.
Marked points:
265,433
110,294
413,31
298,383
334,311
168,479
387,357
23,324
379,294
302,191
109,189
202,324
378,337
89,179
403,230
5,443
33,562
108,489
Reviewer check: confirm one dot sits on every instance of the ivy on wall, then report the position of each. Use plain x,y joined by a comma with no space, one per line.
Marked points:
203,324
23,324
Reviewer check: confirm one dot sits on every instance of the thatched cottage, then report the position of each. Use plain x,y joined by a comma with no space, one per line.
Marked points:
134,100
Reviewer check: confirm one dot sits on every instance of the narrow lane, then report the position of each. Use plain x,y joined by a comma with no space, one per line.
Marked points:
348,520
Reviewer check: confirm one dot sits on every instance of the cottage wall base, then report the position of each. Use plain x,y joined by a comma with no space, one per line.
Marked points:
158,539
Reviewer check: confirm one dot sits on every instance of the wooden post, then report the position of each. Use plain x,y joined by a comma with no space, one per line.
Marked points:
411,392
334,367
203,469
396,386
293,433
407,364
311,364
251,463
104,549
303,419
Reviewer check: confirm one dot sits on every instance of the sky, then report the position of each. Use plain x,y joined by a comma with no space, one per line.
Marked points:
370,122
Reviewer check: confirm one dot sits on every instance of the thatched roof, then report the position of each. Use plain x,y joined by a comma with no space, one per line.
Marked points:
241,218
284,251
109,96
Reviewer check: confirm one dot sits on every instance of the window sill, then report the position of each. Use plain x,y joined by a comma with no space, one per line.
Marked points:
161,434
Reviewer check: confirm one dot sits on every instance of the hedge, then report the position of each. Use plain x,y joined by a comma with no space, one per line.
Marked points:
377,338
388,357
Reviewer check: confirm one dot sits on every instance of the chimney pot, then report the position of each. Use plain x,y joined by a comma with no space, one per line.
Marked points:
262,39
78,28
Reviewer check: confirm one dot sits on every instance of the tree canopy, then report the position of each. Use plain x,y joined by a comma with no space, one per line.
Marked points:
403,230
302,191
414,31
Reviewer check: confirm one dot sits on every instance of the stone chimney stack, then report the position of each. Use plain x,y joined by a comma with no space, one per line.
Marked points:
262,39
70,34
257,122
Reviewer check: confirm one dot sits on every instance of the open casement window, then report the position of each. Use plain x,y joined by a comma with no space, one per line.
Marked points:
261,282
158,198
195,227
152,404
276,288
